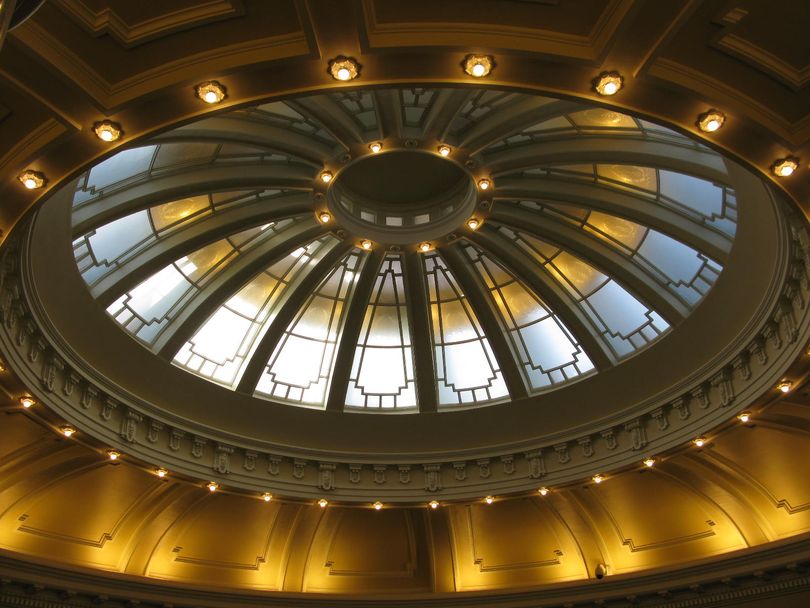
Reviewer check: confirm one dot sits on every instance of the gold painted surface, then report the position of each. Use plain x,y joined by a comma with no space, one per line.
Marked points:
626,232
174,212
197,264
638,177
601,117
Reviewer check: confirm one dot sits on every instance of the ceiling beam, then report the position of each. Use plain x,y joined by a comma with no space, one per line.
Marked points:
331,116
442,112
389,113
417,305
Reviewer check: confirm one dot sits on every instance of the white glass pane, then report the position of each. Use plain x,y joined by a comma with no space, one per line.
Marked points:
678,261
620,311
121,166
695,193
113,239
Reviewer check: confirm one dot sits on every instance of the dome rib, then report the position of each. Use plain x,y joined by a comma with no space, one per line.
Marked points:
353,325
537,280
389,113
217,291
601,256
690,160
185,182
252,130
324,110
624,204
441,113
286,314
474,291
416,295
262,210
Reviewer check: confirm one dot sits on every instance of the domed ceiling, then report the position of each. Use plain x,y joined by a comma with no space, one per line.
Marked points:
471,247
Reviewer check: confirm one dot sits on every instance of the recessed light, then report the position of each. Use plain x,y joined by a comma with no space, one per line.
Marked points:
326,176
649,462
32,180
699,441
473,223
711,121
107,130
378,505
484,184
322,503
608,83
344,68
366,244
785,167
325,217
212,486
161,472
211,92
489,500
375,147
478,66
267,497
27,401
744,417
598,478
445,150
424,247
543,491
784,386
113,454
67,431
434,504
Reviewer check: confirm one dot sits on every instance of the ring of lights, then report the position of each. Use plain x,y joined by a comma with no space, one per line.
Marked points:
278,447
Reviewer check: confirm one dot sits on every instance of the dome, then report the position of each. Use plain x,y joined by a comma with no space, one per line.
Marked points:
403,304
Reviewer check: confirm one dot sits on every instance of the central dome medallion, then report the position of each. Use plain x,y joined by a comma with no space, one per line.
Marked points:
403,196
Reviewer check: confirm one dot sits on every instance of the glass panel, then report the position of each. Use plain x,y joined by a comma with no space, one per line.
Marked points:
601,117
170,155
220,349
622,321
301,365
547,351
178,211
120,166
382,370
644,178
466,369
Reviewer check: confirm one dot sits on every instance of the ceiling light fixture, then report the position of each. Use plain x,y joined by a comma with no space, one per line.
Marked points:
473,223
375,147
212,486
161,472
325,217
445,150
785,167
27,401
478,66
366,244
322,503
424,247
434,504
378,505
489,500
267,497
784,386
33,180
107,130
699,441
484,184
344,68
211,92
67,431
543,491
326,176
649,462
744,417
598,478
608,83
113,454
711,120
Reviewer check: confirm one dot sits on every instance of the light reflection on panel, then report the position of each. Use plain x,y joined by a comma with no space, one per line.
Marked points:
548,352
104,249
466,369
686,272
301,365
220,349
147,309
382,374
621,320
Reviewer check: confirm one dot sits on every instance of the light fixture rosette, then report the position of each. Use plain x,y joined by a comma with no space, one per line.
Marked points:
344,68
478,66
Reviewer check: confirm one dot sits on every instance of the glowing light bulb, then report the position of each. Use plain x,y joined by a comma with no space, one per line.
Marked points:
649,462
744,417
326,176
27,402
378,505
473,223
267,497
113,454
711,121
325,217
344,74
543,491
322,503
424,247
212,486
598,478
444,150
366,244
784,387
67,431
434,504
32,180
699,441
478,66
608,83
211,92
107,131
785,167
484,184
489,500
343,68
161,473
375,147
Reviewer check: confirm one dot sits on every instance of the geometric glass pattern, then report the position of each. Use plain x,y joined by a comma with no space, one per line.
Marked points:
382,373
547,351
466,369
301,366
